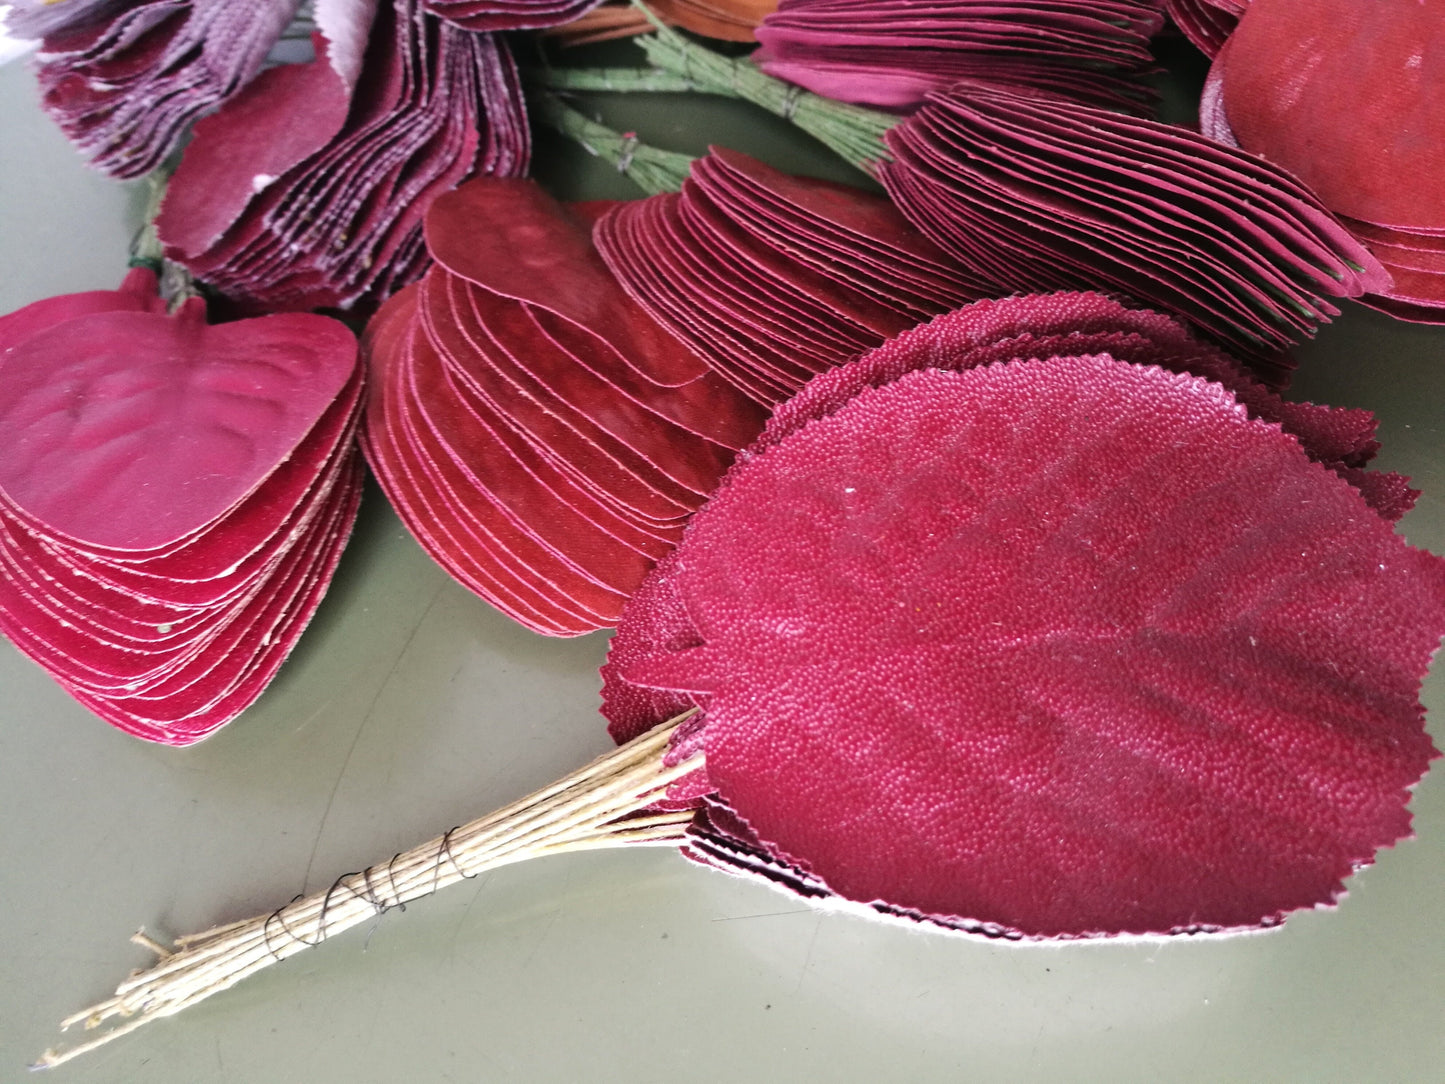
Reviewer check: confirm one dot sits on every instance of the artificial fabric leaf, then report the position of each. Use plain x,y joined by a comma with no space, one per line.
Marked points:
128,431
1056,647
541,435
1373,155
308,188
1082,198
874,52
1369,154
174,497
124,82
1075,324
772,279
137,293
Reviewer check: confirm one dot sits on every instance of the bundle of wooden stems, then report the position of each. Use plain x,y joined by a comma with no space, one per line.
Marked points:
601,805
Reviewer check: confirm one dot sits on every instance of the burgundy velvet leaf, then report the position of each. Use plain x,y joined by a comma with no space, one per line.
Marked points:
1026,327
124,83
1365,153
460,529
655,625
1056,648
985,332
445,529
1082,198
308,188
261,130
128,431
127,592
238,677
207,650
173,498
874,52
487,232
1072,324
1372,154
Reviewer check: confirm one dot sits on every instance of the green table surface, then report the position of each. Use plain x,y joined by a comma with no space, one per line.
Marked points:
411,706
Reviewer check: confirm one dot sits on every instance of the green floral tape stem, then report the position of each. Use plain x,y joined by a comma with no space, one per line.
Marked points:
145,250
852,132
614,80
650,168
176,284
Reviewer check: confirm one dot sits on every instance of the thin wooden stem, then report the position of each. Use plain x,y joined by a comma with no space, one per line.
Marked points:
604,804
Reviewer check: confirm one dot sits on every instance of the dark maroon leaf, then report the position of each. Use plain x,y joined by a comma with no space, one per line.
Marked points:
124,82
308,188
874,52
773,279
1348,99
1049,647
1080,198
541,435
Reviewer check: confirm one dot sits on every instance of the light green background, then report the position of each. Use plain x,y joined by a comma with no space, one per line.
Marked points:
410,706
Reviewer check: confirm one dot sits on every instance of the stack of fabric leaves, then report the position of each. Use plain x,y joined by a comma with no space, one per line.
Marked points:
773,279
307,189
174,497
541,435
125,81
1374,155
305,183
877,52
1049,194
1031,190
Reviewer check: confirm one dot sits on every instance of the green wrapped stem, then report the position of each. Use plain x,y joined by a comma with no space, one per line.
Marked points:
650,168
852,132
176,284
145,250
616,80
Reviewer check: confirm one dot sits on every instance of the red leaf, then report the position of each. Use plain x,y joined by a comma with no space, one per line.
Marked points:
1349,98
1064,647
173,499
541,435
1081,198
308,188
131,430
125,82
772,278
875,52
1071,324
